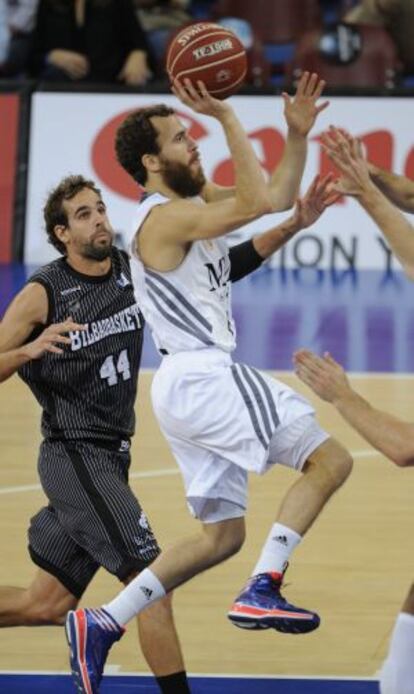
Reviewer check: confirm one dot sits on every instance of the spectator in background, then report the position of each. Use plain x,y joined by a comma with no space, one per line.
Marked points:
396,16
16,25
90,40
160,19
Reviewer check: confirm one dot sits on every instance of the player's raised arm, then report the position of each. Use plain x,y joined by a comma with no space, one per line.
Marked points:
247,256
250,185
307,211
398,189
300,111
347,155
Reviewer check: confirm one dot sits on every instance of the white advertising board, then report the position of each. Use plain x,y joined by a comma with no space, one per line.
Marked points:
74,133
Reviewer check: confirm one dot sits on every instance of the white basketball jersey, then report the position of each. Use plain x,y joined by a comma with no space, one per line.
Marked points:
187,308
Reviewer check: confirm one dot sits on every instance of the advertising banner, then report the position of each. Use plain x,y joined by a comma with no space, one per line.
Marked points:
9,121
74,133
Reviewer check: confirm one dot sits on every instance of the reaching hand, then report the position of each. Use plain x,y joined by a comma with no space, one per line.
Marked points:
50,337
301,111
199,100
322,374
316,199
346,153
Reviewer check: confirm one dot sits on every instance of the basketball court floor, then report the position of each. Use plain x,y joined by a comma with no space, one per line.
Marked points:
355,565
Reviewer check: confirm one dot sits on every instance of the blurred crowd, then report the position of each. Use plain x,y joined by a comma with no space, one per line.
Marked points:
125,41
88,40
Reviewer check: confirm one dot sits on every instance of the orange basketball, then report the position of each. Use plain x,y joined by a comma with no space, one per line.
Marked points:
210,53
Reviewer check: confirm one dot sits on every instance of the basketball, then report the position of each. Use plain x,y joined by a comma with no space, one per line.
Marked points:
210,53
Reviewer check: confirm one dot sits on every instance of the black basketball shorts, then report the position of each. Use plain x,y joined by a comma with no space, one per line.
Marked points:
93,518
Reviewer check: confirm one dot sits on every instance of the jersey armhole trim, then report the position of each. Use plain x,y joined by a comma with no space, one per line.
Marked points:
50,297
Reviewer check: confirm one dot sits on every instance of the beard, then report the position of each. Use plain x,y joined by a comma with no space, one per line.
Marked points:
98,251
179,178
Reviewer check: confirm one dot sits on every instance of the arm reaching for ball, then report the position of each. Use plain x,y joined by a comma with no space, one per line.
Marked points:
388,434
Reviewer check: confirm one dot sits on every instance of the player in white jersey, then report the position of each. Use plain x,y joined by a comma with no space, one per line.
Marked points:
220,418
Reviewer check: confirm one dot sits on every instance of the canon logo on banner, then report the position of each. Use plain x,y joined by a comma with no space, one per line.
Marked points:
269,141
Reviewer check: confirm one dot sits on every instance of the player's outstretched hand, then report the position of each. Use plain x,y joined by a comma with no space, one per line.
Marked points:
317,198
52,336
301,110
322,374
346,153
199,99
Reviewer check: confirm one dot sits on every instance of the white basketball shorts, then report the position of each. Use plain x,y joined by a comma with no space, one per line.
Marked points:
222,420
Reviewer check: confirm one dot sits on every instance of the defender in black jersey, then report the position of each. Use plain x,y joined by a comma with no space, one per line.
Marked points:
74,333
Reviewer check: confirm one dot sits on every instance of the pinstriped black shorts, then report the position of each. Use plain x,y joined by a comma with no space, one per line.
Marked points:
93,518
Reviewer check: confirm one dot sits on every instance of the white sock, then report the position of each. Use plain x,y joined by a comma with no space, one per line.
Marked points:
397,674
136,596
277,549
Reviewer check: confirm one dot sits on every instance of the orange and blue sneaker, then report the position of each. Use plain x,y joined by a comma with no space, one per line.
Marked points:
90,635
260,605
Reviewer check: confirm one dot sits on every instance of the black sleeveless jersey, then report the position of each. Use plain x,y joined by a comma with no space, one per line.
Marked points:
88,392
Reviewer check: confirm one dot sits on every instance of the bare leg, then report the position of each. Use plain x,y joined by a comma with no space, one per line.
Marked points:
191,556
324,472
260,604
216,542
45,601
158,636
159,639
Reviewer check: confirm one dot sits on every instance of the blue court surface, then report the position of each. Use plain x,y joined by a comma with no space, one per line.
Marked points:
365,319
61,684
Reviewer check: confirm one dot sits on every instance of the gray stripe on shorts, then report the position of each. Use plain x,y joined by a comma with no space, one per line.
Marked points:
183,301
171,319
268,394
250,407
259,400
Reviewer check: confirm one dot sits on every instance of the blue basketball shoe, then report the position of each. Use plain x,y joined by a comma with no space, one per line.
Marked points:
260,605
90,635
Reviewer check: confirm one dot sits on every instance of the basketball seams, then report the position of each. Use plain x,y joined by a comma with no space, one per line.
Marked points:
231,85
191,44
176,39
214,55
191,70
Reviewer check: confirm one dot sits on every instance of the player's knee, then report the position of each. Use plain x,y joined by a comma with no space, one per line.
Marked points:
342,467
332,464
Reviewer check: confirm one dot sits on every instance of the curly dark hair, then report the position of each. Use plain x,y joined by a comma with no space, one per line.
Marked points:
137,136
54,213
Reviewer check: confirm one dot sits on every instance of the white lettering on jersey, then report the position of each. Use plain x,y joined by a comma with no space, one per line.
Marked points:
125,321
